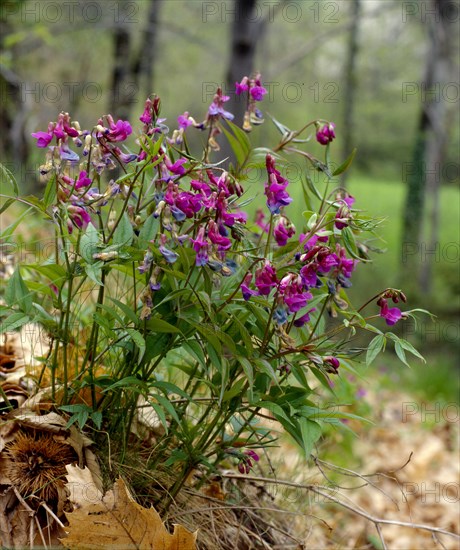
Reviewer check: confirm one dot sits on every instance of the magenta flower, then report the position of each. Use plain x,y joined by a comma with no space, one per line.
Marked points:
119,131
342,217
257,92
391,315
283,231
294,293
331,363
177,167
275,188
43,138
146,116
245,464
345,265
83,180
200,246
78,216
309,275
242,86
266,279
325,134
222,242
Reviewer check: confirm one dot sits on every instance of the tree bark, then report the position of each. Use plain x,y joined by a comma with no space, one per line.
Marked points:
350,84
132,76
247,29
424,178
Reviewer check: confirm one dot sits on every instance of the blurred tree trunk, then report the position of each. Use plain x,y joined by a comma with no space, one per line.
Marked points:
13,114
247,29
350,85
132,75
424,174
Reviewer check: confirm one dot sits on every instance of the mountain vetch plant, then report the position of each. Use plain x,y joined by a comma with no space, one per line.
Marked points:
181,295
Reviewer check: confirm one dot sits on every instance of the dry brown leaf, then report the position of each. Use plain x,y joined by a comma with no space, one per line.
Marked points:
119,522
82,487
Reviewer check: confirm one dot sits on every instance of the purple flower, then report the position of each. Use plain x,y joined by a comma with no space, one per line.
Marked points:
294,292
119,131
223,243
177,167
345,265
310,243
283,231
217,106
83,180
44,138
247,292
66,154
266,279
349,200
242,86
127,157
326,260
78,216
148,260
391,315
342,217
301,321
309,275
200,246
325,134
184,120
146,116
258,92
168,255
260,216
275,188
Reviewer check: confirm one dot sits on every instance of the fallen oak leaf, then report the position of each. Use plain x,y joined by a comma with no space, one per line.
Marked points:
117,521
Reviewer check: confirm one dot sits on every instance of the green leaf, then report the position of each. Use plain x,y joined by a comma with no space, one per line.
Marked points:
124,232
345,164
50,192
17,293
6,205
310,432
94,272
311,186
10,229
7,176
155,324
148,232
400,353
13,321
127,310
410,348
247,367
374,348
349,243
88,243
138,339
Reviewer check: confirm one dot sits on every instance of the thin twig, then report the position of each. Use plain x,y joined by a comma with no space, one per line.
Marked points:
353,509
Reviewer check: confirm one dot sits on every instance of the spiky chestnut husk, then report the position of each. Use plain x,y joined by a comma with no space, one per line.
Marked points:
36,465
